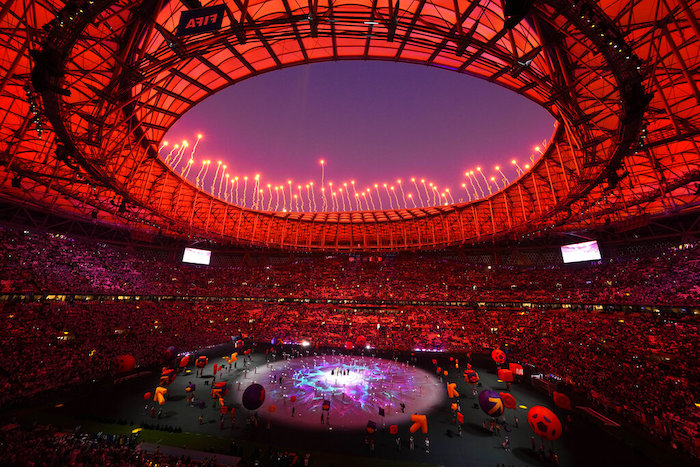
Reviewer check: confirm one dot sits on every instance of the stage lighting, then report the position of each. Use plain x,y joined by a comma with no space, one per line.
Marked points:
121,206
614,178
63,156
47,67
515,11
192,4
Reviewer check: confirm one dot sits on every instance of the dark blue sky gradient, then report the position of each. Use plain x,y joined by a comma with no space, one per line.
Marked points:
370,121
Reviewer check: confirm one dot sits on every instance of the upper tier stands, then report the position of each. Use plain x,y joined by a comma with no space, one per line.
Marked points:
53,263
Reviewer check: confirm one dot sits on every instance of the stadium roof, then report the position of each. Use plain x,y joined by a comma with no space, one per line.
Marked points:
620,77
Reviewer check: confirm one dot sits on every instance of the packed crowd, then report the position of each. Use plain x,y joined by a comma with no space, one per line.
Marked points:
46,445
643,364
53,263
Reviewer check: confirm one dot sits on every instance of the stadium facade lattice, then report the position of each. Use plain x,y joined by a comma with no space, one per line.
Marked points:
89,88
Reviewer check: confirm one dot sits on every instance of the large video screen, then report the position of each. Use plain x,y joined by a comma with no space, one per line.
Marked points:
196,256
586,251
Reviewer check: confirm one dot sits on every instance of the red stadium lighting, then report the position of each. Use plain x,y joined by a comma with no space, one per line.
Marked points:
153,107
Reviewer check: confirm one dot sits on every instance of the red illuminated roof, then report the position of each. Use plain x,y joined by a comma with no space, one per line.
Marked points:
620,77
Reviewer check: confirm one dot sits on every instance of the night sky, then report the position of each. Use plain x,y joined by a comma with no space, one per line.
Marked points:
372,122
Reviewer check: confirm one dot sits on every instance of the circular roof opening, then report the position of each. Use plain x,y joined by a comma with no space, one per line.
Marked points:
368,122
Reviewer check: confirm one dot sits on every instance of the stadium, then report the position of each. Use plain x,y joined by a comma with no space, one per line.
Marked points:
544,318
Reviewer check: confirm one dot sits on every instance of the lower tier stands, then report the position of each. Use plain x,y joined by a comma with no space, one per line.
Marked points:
35,262
640,365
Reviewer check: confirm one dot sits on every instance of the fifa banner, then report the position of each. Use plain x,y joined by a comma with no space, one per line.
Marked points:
200,20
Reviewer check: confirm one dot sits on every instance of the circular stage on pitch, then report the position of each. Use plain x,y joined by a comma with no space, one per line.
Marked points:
354,387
